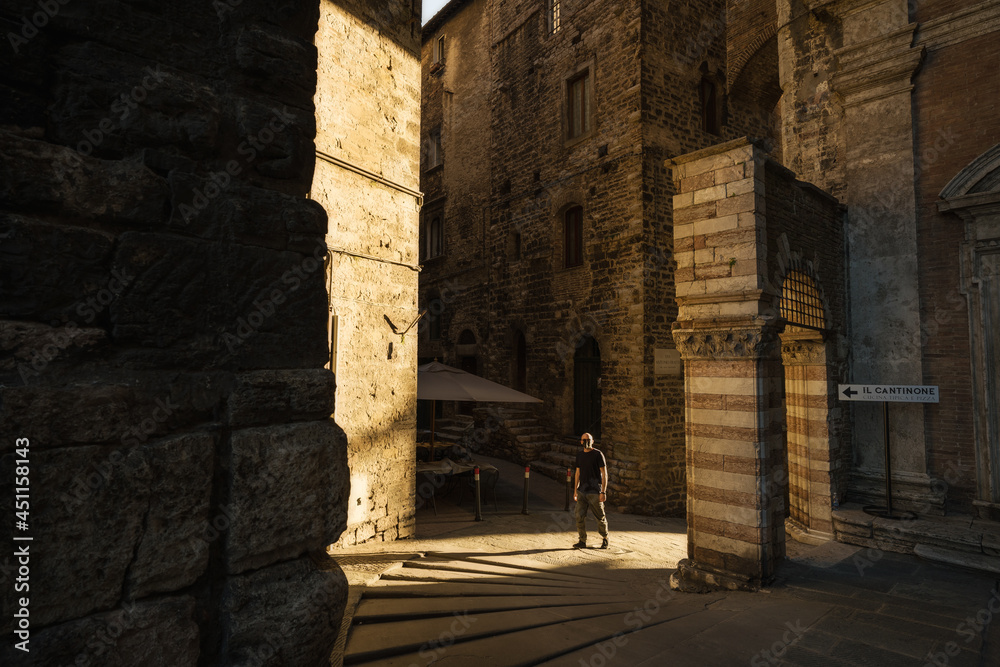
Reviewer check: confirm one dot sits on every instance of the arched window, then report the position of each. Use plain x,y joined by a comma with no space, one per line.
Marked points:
433,245
573,237
801,304
709,106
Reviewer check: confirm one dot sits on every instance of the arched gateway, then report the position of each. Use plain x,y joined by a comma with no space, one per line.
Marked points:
757,330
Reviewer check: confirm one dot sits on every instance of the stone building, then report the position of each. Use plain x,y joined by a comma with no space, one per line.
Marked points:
546,231
892,109
166,390
853,239
367,148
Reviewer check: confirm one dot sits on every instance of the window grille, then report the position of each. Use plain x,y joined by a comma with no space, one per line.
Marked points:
800,302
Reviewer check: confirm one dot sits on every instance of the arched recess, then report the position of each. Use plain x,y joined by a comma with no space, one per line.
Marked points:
804,324
467,353
587,388
519,362
974,196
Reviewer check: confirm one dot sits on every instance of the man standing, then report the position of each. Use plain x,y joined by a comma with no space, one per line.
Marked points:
590,490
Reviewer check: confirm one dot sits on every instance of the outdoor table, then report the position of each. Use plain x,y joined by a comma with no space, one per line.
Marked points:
447,468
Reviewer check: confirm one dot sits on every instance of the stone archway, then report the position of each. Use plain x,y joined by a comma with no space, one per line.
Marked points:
735,216
808,397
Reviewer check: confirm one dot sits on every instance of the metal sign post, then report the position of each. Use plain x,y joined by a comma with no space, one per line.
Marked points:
887,393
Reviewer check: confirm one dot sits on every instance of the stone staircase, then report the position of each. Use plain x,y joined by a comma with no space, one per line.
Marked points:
451,430
560,455
537,446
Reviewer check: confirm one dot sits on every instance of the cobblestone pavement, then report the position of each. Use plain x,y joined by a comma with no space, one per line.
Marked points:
511,590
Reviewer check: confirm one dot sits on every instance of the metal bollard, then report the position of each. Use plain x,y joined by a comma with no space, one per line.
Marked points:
569,488
524,507
479,502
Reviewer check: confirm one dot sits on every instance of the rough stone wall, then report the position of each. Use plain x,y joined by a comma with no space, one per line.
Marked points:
163,321
455,101
647,68
367,102
679,47
536,175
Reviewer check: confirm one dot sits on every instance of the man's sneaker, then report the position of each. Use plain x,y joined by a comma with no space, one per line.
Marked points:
580,545
604,543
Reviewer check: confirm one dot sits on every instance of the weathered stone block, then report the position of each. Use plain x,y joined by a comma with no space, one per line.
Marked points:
285,614
234,313
44,178
106,105
29,347
50,272
223,207
122,413
277,62
176,475
124,514
289,492
160,633
274,397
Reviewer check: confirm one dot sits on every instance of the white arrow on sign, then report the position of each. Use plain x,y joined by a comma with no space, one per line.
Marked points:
895,393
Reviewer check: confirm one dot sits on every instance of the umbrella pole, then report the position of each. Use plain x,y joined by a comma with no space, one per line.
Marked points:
433,410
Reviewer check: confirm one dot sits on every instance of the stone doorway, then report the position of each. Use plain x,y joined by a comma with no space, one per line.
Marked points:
806,401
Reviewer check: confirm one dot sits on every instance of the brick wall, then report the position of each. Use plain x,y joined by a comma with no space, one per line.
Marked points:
952,89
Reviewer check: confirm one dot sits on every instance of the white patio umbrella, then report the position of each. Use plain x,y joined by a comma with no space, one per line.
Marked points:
438,382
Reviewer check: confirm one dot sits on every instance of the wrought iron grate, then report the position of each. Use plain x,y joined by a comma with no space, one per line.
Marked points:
800,302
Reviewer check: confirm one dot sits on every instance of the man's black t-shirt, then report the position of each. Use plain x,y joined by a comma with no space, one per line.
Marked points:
590,462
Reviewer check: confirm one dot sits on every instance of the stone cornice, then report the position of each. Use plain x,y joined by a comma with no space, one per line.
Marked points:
877,68
960,26
742,343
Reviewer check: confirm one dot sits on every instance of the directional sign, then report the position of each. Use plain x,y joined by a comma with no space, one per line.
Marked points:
895,393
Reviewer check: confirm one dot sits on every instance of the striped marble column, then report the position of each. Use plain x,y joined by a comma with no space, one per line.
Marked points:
732,366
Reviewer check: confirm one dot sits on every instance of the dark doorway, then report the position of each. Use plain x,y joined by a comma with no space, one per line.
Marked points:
587,389
467,362
520,362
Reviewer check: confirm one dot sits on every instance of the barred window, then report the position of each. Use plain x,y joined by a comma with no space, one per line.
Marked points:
800,303
553,11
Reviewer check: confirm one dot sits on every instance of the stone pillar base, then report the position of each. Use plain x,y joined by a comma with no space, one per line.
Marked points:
921,494
692,577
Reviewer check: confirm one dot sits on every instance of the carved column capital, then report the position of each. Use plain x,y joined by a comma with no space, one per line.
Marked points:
803,353
734,343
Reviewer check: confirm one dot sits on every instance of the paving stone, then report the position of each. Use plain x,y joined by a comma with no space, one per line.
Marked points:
860,628
799,656
386,639
865,654
374,609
